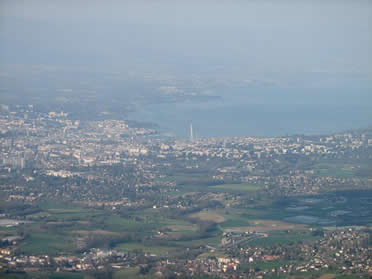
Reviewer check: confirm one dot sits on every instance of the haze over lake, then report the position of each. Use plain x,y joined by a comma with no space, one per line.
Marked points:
306,65
243,114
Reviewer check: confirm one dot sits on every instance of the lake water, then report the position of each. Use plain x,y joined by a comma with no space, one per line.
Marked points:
236,115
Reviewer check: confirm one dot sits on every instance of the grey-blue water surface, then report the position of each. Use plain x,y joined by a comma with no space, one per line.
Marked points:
269,113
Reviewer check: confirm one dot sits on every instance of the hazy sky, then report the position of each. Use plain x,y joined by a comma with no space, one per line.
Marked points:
232,36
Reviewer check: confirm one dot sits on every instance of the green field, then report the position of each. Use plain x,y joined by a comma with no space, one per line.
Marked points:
65,226
130,273
65,275
118,224
212,241
266,265
244,188
283,238
347,276
42,275
334,169
47,243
